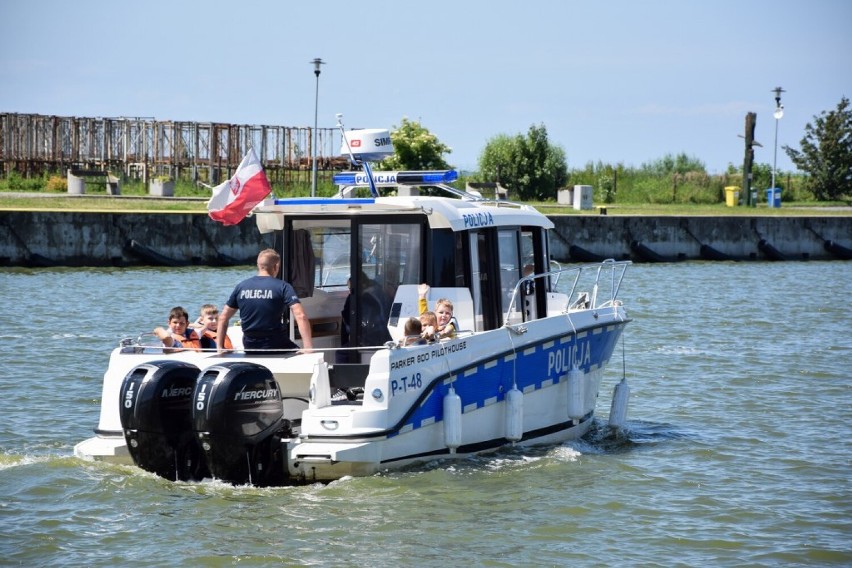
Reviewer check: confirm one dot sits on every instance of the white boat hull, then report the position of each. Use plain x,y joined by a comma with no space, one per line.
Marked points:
400,422
361,439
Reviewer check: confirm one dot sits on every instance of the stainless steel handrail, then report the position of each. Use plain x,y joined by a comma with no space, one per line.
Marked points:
610,266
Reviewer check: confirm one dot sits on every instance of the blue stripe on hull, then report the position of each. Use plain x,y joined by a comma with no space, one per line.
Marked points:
538,366
495,443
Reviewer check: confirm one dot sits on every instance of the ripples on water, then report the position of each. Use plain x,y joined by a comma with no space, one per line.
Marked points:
736,450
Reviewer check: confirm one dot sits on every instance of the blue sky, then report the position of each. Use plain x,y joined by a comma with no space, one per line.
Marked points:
617,81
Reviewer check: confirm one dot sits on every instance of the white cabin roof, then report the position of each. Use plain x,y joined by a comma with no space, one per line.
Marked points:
442,212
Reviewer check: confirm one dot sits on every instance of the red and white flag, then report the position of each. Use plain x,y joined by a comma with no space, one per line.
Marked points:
233,200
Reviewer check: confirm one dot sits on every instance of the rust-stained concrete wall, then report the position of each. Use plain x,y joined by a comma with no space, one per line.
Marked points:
682,237
39,238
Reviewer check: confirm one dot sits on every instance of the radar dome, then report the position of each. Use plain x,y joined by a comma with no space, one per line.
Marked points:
367,144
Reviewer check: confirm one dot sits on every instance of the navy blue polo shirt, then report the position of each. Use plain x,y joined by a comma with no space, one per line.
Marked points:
263,302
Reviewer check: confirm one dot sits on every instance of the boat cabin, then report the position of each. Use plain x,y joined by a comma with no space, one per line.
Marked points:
356,261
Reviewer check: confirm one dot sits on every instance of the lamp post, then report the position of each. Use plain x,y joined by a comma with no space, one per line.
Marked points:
779,112
316,63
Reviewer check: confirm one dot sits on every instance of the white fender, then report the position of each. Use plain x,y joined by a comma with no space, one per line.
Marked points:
620,398
320,388
452,420
514,415
576,394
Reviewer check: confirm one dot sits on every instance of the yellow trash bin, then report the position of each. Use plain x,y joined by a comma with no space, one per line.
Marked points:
732,195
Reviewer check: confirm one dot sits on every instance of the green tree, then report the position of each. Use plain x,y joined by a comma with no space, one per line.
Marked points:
415,148
826,154
530,166
499,160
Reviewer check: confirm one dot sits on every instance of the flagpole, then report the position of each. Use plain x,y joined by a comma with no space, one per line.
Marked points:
316,62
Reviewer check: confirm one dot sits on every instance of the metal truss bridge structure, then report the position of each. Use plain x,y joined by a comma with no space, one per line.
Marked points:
33,144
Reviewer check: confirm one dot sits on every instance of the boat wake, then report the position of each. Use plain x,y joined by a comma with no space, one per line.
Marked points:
602,439
634,435
8,461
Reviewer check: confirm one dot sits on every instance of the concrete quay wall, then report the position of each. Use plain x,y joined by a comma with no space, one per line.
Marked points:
685,238
80,238
71,238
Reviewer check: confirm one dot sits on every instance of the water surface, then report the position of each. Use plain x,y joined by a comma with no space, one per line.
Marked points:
736,450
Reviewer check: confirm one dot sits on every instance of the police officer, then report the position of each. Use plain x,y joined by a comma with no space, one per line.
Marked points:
262,301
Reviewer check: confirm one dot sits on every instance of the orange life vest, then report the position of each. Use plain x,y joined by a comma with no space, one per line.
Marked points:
210,342
190,340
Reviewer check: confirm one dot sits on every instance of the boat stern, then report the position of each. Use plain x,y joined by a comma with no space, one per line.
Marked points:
111,449
327,461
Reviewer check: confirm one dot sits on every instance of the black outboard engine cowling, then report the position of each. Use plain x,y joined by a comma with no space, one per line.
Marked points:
238,417
156,416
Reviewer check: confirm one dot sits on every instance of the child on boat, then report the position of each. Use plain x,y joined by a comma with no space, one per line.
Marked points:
443,311
177,335
207,325
429,323
412,331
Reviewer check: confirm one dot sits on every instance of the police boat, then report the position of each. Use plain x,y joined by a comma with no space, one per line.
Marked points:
525,364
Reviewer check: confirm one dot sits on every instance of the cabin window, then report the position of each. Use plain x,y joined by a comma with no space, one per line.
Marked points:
499,259
523,253
389,254
531,297
486,299
528,253
365,257
508,248
448,264
330,242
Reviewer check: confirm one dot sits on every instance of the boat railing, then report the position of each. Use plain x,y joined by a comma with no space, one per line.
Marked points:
148,343
468,196
592,286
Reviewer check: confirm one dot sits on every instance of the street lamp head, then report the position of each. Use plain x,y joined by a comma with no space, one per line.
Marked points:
778,91
779,112
317,62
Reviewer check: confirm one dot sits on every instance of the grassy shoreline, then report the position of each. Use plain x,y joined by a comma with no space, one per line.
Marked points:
12,201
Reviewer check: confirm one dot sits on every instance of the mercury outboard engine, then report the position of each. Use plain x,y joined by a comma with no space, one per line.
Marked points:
238,417
156,416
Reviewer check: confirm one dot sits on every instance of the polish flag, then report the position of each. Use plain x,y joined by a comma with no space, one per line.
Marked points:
233,200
